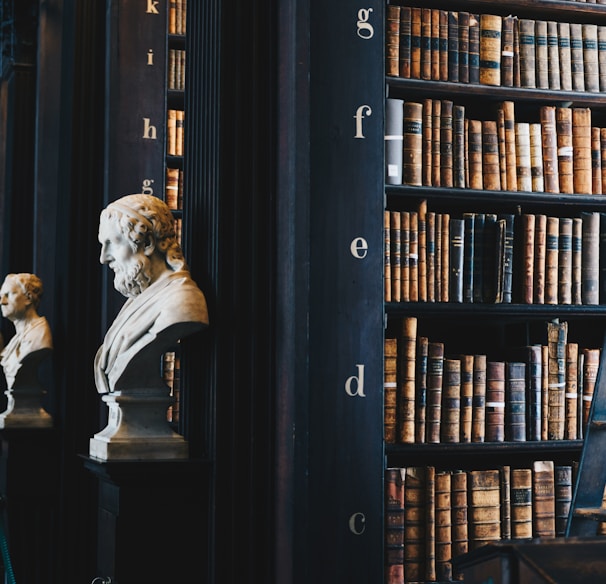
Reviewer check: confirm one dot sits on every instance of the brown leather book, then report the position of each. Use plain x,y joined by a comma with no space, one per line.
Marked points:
466,398
422,253
551,260
426,43
443,45
430,523
435,44
591,67
526,31
450,426
415,43
543,499
443,526
524,172
445,257
581,150
414,523
563,496
502,147
473,57
435,143
565,56
392,40
590,374
390,390
550,148
427,142
463,47
541,54
565,261
536,158
484,507
430,228
534,372
459,146
564,142
395,254
476,155
171,196
510,144
507,52
540,242
553,55
490,49
407,348
571,397
602,56
421,388
453,46
460,534
412,163
439,297
521,503
557,337
405,256
435,374
577,260
596,161
515,401
394,525
490,156
387,255
528,249
590,268
413,256
505,473
495,401
603,150
478,420
576,57
446,144
545,392
405,41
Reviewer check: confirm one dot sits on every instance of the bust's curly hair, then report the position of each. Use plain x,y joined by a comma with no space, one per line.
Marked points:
140,216
30,284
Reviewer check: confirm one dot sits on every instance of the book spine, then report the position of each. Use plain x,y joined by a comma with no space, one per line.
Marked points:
415,43
435,44
602,56
456,261
405,42
502,147
534,372
490,156
543,503
505,472
549,148
557,333
394,525
540,242
576,57
459,146
528,246
430,228
395,254
490,49
445,257
591,67
551,260
541,54
581,150
526,28
427,133
443,526
460,526
426,43
387,255
515,402
422,259
430,523
478,421
565,56
468,256
436,117
435,373
413,256
508,256
495,401
390,390
590,268
453,46
451,401
443,45
392,41
414,524
564,142
553,56
406,380
466,398
565,261
446,143
596,161
577,260
571,392
412,164
536,158
510,145
474,55
463,47
476,180
421,388
590,374
405,256
524,174
507,52
484,507
521,503
563,497
545,393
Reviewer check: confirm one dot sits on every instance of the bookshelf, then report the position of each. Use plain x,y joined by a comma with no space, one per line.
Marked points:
436,176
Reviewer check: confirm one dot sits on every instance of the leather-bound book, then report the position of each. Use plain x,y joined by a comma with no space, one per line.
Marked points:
490,156
490,49
435,373
392,40
505,472
443,45
543,499
526,28
565,56
458,501
557,337
540,242
474,48
456,260
565,261
430,523
446,144
451,401
515,401
405,41
536,158
412,163
602,56
476,155
577,260
596,161
521,503
478,420
443,526
445,257
421,388
528,254
571,396
502,147
541,54
576,57
413,256
552,251
484,507
545,392
405,256
390,390
422,250
436,122
510,144
459,146
427,142
395,255
524,173
407,346
414,523
549,148
453,46
463,47
581,150
553,55
415,43
590,269
563,496
430,228
508,257
387,256
590,374
591,67
394,525
435,44
495,401
564,141
426,43
507,52
534,372
466,417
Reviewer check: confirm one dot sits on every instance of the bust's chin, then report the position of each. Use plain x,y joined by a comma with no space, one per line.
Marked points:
130,287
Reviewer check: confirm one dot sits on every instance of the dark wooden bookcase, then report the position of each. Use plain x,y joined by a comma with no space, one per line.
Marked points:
494,329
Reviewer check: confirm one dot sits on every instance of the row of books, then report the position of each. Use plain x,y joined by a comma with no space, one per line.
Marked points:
434,515
177,17
175,136
528,258
489,49
173,195
171,374
437,396
434,142
176,69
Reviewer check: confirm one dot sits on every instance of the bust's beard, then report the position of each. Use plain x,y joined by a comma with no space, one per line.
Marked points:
133,277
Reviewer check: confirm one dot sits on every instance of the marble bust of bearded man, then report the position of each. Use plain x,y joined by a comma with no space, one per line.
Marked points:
164,305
